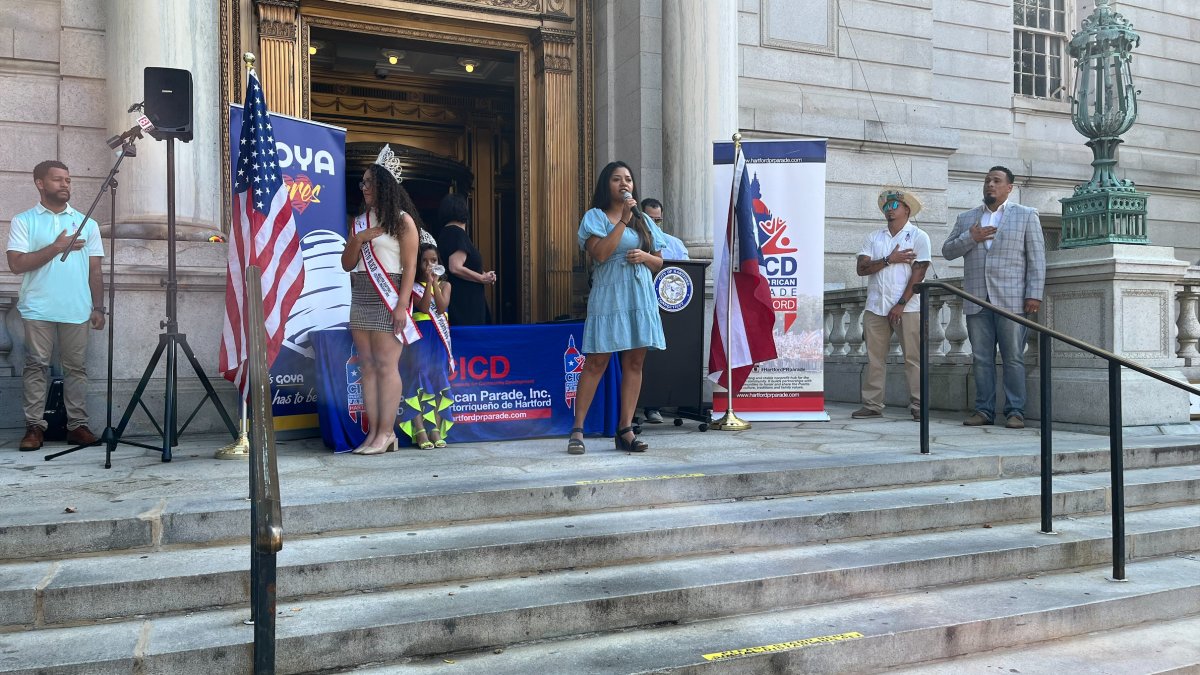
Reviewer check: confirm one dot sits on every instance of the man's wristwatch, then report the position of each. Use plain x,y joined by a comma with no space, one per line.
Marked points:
885,261
102,310
901,301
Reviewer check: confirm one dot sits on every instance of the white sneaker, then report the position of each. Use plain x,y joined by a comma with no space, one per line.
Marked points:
653,416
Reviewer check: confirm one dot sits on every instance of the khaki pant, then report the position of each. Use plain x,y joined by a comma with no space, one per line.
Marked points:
72,339
877,333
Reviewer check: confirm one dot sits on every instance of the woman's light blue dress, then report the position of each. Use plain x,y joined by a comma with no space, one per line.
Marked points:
622,310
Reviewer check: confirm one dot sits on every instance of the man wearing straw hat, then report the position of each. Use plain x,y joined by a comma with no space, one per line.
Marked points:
893,259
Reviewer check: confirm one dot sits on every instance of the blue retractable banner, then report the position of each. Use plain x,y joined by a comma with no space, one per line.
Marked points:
312,157
511,382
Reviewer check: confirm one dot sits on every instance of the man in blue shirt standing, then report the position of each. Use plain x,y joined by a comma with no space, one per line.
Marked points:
59,301
674,250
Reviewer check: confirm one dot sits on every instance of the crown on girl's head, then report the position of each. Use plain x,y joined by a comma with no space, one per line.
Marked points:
388,160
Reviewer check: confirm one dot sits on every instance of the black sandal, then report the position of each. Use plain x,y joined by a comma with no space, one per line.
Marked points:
629,446
575,446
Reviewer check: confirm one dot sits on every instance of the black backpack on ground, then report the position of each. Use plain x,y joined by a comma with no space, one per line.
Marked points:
56,412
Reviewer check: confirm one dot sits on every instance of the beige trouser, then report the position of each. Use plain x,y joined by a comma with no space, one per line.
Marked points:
72,339
877,333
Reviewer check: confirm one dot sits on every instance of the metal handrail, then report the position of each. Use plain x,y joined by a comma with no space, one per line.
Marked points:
1115,428
265,513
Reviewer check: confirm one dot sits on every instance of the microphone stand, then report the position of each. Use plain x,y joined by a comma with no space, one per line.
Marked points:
108,437
125,141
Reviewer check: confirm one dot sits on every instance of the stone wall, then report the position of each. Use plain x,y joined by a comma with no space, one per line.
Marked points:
52,61
60,100
920,93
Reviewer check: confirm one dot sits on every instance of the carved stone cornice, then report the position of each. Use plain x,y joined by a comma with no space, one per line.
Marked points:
555,49
277,18
510,7
554,35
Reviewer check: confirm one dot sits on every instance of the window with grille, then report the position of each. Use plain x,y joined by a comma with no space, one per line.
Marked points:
1039,48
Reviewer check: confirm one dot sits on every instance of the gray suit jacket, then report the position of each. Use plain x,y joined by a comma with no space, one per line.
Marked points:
1014,268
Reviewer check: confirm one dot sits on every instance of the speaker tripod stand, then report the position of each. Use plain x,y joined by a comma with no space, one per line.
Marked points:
169,343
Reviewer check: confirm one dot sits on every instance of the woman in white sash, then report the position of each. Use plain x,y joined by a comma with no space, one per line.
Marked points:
382,252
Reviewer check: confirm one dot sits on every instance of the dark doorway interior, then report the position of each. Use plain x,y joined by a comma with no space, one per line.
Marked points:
454,129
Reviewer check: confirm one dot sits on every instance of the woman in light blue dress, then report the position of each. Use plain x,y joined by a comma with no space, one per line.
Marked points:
622,312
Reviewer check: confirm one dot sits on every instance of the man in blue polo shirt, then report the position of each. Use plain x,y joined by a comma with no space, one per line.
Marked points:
59,300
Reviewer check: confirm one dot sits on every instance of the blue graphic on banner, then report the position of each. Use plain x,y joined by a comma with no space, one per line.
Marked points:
312,157
510,383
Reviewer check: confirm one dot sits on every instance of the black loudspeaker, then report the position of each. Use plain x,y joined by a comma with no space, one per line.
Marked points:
168,94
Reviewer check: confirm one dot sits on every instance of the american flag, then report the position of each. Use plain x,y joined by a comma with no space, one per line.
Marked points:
263,234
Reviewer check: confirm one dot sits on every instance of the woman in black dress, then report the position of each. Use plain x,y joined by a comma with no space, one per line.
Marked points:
463,262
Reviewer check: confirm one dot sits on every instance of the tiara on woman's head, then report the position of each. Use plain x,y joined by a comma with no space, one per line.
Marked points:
388,160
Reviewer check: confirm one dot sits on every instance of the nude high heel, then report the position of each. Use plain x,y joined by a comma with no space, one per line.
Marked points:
389,445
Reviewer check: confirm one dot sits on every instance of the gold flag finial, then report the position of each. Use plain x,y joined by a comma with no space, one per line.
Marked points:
248,57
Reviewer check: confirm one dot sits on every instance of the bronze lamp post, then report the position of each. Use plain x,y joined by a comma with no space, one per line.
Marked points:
1106,209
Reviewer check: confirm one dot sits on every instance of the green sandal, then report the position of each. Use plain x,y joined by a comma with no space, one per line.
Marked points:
422,444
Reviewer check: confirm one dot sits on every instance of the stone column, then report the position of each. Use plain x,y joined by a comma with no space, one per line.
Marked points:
1119,297
182,35
700,105
560,205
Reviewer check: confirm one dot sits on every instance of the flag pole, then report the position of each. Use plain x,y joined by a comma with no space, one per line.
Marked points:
730,421
240,449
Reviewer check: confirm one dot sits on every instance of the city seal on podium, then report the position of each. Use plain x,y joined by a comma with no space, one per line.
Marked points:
673,287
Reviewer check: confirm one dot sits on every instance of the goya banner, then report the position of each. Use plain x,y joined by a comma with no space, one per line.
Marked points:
312,158
787,186
509,382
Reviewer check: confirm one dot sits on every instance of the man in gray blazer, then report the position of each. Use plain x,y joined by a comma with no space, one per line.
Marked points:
1005,264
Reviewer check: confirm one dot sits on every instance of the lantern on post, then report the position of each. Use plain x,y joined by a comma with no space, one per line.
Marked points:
1105,209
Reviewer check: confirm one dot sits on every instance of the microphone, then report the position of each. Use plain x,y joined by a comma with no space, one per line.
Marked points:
134,133
637,213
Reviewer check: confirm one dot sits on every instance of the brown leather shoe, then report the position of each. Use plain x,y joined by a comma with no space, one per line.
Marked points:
81,436
1015,422
976,420
865,413
32,439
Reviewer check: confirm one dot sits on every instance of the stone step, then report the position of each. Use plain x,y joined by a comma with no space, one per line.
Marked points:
1157,648
37,531
332,632
186,578
873,635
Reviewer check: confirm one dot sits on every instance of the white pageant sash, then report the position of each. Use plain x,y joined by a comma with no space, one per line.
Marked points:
383,283
438,319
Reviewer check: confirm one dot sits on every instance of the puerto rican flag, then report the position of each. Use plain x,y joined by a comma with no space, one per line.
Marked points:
751,319
263,233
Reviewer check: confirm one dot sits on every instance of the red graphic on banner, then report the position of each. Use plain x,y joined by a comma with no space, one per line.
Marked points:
302,192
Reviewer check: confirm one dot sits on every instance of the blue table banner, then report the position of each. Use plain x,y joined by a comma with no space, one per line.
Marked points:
511,382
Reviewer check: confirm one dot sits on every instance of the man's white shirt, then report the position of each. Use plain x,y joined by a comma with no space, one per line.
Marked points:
992,219
885,287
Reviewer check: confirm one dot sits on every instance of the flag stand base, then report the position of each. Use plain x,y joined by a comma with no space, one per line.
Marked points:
729,422
239,449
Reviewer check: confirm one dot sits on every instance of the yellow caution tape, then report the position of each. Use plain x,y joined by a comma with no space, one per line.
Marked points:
780,647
